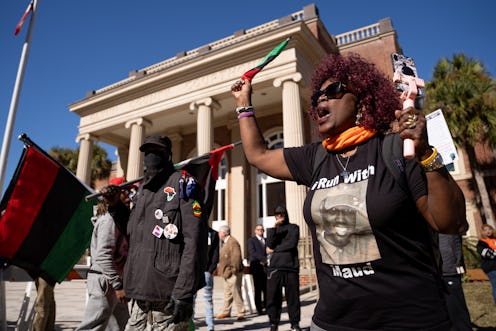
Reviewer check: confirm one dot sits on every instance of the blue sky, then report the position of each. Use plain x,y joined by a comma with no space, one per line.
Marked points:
79,46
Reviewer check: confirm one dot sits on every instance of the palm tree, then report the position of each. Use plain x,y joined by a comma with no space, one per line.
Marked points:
463,89
66,156
100,164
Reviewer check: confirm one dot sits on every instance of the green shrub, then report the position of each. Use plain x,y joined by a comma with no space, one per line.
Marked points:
470,254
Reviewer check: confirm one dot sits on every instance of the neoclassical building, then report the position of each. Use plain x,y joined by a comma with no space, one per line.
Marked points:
188,99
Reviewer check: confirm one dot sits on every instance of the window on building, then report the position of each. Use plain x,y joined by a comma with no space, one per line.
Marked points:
218,214
271,191
219,208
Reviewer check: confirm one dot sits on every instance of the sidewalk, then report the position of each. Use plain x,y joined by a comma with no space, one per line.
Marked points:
70,297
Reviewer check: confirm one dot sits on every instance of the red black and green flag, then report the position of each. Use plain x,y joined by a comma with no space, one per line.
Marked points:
266,60
205,169
45,225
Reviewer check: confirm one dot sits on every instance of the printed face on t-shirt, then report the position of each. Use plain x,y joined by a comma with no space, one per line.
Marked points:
342,225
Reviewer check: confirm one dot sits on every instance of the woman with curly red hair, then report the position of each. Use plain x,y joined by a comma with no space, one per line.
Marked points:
371,236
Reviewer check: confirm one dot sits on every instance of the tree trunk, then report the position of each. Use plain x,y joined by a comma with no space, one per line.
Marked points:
482,197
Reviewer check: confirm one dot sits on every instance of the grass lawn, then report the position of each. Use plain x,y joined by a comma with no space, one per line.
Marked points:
480,305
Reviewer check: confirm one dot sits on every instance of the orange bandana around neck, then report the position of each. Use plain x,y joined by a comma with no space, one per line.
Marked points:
491,242
351,137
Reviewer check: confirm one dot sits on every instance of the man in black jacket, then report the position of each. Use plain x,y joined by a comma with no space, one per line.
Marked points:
167,241
283,270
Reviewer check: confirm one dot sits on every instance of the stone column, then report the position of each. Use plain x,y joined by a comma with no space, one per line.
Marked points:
122,154
204,123
176,140
83,171
242,186
293,136
135,159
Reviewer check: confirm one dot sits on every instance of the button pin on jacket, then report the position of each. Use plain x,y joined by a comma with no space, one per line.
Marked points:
157,231
170,231
159,214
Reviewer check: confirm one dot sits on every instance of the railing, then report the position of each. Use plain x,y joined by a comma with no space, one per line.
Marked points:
297,16
308,276
358,34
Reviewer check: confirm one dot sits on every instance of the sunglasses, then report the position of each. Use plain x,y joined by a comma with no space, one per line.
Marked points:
333,91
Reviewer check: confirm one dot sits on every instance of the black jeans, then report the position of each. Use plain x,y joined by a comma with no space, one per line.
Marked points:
455,301
260,283
276,280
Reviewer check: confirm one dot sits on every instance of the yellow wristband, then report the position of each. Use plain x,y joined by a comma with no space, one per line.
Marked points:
430,158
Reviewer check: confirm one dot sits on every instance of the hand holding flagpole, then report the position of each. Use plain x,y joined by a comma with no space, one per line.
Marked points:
405,77
408,98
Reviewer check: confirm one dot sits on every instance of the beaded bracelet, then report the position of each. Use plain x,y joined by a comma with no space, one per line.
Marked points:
246,114
246,109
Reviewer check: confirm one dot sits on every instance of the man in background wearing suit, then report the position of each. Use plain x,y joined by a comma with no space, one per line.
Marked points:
258,262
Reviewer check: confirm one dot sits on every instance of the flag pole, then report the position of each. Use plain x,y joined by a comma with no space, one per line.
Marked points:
7,138
179,164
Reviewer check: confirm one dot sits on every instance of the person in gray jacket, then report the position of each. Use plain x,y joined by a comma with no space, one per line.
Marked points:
107,305
167,241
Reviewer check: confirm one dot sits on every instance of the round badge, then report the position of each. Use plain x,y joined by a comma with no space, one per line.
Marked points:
170,231
159,214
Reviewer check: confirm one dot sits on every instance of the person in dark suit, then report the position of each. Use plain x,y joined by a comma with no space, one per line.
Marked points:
258,262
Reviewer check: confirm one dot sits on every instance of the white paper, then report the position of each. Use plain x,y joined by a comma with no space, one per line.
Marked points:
440,136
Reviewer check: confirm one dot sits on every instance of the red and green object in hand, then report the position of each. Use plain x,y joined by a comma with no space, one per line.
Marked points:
266,60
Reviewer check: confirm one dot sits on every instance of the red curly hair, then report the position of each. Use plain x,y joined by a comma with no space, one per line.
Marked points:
377,97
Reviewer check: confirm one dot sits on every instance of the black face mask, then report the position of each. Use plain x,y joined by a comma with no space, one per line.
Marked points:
154,162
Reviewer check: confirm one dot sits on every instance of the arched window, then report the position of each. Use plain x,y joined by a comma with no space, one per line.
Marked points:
271,191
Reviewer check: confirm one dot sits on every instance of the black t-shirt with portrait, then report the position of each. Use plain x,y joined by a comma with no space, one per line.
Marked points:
373,250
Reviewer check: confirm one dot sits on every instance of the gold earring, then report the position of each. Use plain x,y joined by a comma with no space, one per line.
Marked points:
358,119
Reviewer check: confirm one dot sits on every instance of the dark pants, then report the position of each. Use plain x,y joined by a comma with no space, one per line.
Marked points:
455,301
276,280
260,283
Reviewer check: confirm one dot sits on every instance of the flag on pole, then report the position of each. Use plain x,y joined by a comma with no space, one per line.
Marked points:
205,169
45,225
23,18
266,60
